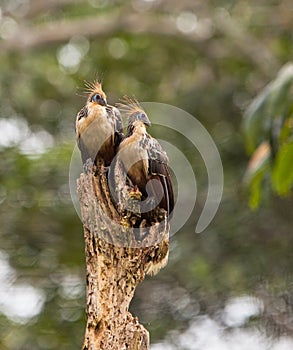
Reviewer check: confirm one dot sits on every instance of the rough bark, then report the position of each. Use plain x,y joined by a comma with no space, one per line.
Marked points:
117,259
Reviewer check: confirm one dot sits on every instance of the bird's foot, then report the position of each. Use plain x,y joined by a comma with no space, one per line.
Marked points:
102,170
135,193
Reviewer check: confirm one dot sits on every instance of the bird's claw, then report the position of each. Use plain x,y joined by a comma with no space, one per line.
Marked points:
102,171
135,193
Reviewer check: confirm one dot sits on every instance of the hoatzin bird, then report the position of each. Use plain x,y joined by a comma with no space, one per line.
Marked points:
144,160
98,127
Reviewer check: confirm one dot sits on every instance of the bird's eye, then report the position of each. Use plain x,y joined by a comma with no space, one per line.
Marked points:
141,116
96,98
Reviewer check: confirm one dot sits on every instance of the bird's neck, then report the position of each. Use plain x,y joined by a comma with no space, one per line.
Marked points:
136,128
94,107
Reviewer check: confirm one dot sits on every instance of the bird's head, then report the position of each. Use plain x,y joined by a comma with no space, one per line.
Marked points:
139,117
97,96
136,115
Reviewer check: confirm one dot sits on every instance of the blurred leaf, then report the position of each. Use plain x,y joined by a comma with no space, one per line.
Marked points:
255,190
259,162
267,129
257,168
282,176
272,103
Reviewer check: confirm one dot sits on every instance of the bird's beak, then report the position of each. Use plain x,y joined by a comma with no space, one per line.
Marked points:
103,102
146,120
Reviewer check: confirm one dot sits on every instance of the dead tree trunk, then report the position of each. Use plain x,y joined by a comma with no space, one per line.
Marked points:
118,256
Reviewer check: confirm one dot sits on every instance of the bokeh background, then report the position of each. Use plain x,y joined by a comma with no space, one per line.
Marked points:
229,287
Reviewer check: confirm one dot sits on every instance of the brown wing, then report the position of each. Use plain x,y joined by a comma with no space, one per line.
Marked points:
118,126
83,113
85,154
158,169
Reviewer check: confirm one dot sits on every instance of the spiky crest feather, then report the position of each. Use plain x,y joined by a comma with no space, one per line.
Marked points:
129,106
93,88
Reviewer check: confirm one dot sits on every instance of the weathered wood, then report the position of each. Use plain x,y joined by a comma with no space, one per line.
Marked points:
117,258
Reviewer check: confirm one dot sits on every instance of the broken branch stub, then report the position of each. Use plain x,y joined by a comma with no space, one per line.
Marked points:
121,246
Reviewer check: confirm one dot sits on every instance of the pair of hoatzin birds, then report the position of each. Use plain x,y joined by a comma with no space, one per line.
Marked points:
99,134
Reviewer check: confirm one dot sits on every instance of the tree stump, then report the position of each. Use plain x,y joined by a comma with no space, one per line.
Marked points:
120,249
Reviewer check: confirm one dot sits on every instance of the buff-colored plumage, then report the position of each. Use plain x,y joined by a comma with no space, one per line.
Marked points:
98,126
143,156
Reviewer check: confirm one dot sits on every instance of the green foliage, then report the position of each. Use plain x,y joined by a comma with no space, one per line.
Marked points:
272,104
282,174
268,121
255,188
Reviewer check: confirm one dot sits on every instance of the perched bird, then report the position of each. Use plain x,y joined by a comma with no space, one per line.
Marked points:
144,160
98,127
